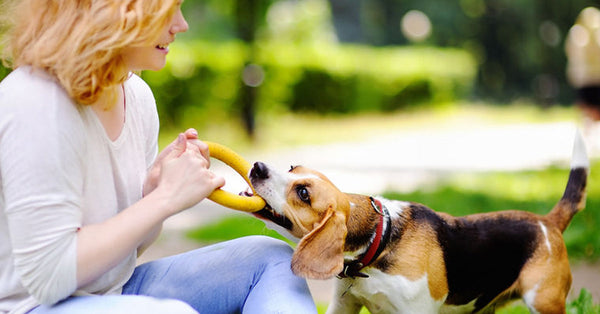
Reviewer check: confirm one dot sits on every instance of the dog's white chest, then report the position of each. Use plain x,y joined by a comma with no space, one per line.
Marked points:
382,293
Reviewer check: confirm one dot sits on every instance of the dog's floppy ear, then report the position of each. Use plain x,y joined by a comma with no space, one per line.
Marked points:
320,254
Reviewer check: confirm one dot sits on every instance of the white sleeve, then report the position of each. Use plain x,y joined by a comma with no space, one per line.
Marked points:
41,156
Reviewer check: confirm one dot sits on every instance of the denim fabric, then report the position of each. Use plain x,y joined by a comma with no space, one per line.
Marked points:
246,275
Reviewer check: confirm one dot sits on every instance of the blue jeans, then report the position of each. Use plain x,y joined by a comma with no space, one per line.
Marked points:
246,275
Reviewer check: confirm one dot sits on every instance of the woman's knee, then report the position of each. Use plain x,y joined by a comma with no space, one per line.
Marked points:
268,243
266,249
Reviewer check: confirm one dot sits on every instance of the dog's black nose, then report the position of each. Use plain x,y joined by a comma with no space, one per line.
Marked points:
259,171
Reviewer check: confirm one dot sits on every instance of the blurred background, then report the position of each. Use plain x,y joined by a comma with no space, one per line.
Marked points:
463,105
245,59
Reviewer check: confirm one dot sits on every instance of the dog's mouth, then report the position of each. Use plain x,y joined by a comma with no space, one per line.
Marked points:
270,214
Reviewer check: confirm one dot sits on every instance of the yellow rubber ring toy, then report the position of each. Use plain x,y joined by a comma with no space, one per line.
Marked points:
241,166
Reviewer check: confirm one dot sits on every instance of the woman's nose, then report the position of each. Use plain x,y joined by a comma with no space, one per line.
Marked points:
179,24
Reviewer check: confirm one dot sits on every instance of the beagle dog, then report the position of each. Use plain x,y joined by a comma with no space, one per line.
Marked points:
402,257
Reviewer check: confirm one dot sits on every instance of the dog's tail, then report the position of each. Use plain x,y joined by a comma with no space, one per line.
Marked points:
573,199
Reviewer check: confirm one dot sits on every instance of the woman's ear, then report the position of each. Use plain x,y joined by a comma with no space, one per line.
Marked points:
320,254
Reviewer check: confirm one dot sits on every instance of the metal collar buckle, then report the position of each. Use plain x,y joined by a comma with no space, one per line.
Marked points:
377,206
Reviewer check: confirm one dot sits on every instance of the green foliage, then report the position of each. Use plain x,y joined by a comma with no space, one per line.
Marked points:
519,45
322,309
203,78
584,304
3,71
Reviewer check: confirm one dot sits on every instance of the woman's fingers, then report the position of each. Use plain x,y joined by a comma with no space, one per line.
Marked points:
191,133
193,150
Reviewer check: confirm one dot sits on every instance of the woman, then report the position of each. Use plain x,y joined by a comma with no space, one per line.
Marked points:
582,47
82,188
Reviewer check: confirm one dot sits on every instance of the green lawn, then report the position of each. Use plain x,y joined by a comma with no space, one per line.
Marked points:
582,305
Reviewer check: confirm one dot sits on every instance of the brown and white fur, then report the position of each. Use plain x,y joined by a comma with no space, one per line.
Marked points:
433,262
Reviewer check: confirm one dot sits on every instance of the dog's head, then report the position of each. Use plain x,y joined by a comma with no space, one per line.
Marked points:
311,208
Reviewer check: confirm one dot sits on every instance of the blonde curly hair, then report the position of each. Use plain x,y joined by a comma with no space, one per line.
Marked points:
80,41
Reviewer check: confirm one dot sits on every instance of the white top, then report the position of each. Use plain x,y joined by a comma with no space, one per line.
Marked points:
59,171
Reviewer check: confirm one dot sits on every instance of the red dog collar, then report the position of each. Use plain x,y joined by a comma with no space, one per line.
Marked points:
352,268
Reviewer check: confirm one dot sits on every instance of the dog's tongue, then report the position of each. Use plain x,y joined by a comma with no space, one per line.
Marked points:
248,192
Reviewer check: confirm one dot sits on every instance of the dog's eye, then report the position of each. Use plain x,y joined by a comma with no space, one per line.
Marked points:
303,194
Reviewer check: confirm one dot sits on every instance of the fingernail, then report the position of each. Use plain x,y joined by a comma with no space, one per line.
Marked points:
194,132
180,138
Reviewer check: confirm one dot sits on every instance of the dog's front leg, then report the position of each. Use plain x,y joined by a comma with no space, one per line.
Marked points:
343,301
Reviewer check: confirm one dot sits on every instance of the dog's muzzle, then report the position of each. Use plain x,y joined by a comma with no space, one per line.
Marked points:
260,172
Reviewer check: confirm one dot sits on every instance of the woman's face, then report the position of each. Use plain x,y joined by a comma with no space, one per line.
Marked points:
155,57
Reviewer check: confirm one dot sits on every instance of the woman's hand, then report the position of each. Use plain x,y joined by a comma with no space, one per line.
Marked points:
179,179
191,136
190,144
184,175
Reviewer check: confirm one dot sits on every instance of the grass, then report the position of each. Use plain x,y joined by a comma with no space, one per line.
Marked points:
583,304
231,227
